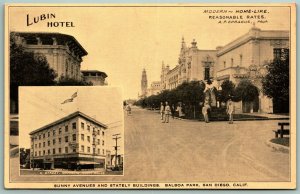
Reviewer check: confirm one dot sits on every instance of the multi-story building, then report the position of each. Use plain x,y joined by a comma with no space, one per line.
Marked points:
94,76
154,89
74,141
63,52
247,57
243,58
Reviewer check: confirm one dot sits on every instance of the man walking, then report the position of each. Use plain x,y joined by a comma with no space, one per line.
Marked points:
205,112
167,112
162,109
229,111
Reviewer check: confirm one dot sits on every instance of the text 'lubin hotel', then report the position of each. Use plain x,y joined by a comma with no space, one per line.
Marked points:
74,142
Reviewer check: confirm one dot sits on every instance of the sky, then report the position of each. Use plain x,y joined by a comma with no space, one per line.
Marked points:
40,106
121,41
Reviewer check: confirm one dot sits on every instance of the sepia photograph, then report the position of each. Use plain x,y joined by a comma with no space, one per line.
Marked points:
150,96
74,133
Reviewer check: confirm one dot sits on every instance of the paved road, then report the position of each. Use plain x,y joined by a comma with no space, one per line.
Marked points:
197,151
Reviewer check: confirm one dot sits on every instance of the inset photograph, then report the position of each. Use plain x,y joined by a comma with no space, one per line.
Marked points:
70,131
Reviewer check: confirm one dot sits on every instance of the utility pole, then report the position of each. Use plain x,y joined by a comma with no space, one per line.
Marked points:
116,137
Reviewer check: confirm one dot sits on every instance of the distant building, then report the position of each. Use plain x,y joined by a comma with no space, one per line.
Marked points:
74,141
63,52
94,76
154,89
243,58
144,84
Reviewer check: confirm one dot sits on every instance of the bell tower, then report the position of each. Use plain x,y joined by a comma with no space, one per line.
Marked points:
144,83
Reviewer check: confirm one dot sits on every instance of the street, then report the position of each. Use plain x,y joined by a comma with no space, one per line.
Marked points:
195,151
198,151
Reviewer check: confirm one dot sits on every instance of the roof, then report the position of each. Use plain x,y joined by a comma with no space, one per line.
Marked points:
63,37
253,33
70,116
94,71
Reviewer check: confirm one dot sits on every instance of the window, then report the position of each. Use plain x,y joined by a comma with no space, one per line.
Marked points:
44,152
35,153
74,126
53,150
103,151
103,142
98,141
82,137
280,53
224,62
231,62
94,140
94,150
54,132
98,151
74,149
103,133
241,59
82,125
88,149
44,144
74,137
40,145
59,130
66,128
59,150
66,139
88,128
82,148
48,143
206,73
49,152
59,140
88,138
54,141
48,133
44,135
98,132
40,137
66,150
35,145
39,153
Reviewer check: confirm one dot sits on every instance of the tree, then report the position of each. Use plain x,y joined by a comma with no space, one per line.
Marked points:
246,91
228,88
27,69
276,83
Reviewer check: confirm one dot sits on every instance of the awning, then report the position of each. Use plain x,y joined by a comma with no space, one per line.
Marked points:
87,162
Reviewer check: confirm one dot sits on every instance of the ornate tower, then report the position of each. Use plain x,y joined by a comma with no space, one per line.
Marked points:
144,83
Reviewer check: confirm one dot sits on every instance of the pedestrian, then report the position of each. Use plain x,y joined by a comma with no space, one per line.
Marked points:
128,109
162,109
205,112
167,112
230,110
173,110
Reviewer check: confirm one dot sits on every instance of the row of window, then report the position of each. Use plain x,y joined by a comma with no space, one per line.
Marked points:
67,130
67,140
39,153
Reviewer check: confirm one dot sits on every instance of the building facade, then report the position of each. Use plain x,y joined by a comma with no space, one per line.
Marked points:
63,52
243,58
94,76
74,142
154,89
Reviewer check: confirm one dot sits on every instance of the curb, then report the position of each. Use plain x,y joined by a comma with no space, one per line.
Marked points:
278,147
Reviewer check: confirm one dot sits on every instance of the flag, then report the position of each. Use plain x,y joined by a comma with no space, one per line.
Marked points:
70,99
74,95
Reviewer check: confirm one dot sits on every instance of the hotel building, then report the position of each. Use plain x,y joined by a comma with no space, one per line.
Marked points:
75,141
